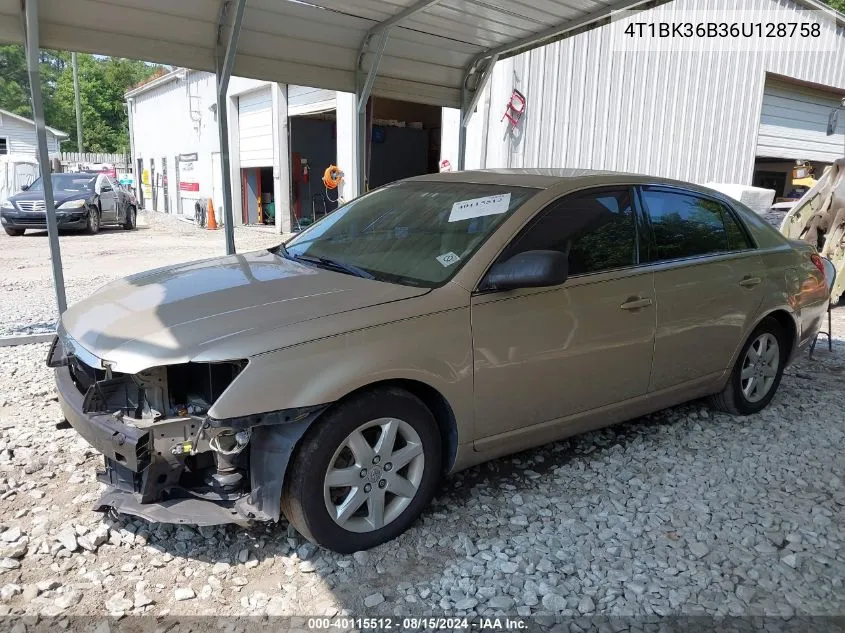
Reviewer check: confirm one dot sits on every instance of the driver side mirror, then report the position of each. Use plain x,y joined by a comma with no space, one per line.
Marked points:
24,187
531,269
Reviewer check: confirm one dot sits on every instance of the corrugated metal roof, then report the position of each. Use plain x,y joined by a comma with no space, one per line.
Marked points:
314,43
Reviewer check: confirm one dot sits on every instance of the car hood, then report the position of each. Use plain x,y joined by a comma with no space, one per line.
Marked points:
181,313
59,195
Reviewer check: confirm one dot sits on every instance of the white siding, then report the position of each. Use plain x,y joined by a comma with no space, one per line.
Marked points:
20,137
179,117
794,121
692,116
255,123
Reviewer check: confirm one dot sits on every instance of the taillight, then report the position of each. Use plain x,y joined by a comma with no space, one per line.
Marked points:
817,260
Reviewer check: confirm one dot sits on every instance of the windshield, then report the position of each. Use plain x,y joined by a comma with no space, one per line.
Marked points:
67,182
412,232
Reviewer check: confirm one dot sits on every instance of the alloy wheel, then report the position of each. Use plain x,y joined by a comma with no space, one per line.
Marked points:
760,367
374,475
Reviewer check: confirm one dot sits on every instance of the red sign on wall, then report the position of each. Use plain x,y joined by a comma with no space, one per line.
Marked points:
189,186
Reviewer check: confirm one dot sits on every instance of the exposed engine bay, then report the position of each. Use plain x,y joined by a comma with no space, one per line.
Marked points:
165,458
818,218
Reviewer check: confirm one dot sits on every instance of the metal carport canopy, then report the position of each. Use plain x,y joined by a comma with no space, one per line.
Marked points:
426,58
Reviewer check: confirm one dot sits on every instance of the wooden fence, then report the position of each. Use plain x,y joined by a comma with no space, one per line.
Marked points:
73,158
74,161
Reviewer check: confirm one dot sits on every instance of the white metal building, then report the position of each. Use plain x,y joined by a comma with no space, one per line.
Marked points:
176,147
738,117
274,130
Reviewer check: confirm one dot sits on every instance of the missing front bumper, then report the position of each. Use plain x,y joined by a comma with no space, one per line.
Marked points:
147,479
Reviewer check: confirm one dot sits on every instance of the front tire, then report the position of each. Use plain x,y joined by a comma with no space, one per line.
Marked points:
364,471
757,373
129,222
93,225
13,232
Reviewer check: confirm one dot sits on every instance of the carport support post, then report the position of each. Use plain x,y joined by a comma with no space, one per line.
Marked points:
225,61
225,172
469,99
32,55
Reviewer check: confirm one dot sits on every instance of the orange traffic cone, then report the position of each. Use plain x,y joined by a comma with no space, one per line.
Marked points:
211,222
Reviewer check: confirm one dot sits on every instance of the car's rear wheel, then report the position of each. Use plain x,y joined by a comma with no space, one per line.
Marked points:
93,224
757,373
129,222
13,232
364,472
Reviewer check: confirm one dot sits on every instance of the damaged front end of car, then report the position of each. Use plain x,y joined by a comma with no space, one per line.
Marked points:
166,459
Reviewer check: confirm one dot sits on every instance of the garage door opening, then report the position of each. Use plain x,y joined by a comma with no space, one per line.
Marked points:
793,147
789,179
258,204
404,141
313,144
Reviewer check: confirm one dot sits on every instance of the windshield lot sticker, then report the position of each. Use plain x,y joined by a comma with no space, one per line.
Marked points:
479,207
447,259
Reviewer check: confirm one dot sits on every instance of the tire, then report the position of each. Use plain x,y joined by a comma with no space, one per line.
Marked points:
129,222
14,232
307,495
92,227
740,397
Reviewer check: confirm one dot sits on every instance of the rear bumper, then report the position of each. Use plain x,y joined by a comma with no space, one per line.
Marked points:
22,220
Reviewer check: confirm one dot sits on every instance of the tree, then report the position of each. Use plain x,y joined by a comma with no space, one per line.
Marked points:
839,5
102,83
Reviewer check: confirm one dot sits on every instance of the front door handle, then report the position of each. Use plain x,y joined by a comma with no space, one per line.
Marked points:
636,303
750,282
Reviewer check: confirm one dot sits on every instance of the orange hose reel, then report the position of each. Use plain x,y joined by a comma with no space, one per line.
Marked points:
332,177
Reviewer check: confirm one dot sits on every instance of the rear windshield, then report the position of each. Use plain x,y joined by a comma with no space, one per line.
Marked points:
412,232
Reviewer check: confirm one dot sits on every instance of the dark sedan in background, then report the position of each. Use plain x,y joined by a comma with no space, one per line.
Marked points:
84,201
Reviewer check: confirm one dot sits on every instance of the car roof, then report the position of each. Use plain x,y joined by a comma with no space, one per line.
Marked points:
547,178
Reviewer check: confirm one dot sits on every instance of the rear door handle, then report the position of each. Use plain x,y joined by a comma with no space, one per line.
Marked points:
636,303
750,282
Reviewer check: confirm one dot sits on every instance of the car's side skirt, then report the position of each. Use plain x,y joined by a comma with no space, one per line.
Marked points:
553,430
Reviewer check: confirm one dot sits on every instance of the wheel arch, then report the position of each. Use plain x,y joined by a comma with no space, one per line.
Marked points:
434,401
787,320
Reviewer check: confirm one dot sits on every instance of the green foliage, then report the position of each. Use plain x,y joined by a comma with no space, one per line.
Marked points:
102,84
839,5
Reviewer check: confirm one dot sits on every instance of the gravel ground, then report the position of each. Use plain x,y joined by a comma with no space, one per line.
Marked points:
682,512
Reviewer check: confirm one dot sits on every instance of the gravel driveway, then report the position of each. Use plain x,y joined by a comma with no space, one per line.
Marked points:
682,512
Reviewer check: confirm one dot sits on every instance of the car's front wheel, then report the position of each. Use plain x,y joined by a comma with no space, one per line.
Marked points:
757,373
93,224
364,471
13,232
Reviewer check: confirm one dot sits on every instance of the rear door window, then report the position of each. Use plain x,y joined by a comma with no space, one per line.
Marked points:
685,224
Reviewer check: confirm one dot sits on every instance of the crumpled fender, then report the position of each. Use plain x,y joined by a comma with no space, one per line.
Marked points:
271,447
